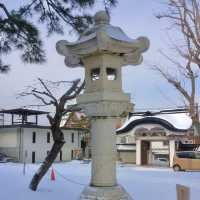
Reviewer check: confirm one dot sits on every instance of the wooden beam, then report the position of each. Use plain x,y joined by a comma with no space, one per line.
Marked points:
182,192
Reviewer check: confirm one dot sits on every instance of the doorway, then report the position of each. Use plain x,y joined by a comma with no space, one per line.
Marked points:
145,147
72,154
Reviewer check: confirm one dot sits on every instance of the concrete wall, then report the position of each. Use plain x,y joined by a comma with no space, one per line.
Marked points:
9,142
8,137
127,156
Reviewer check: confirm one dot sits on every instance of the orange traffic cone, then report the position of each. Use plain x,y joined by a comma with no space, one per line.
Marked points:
53,177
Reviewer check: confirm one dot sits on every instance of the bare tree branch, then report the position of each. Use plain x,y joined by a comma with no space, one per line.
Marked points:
185,14
47,97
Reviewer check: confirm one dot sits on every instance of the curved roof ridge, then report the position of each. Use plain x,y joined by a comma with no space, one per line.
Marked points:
150,120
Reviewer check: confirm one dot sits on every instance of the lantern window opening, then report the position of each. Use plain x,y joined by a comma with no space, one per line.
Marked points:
111,74
95,74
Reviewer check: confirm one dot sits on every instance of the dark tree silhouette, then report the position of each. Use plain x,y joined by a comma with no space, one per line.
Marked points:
47,98
17,30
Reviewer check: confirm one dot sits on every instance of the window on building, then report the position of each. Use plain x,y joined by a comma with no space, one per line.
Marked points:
33,156
111,74
185,154
165,143
33,137
60,155
48,137
47,153
72,137
123,140
95,74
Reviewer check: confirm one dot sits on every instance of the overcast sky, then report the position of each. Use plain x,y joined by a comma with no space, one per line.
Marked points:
147,88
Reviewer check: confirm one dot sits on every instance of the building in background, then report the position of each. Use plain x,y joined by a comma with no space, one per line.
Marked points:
152,138
76,120
26,141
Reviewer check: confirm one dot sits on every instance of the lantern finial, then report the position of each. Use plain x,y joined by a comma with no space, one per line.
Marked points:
101,17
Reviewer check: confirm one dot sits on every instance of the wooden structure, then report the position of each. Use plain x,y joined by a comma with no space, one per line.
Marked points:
182,192
22,116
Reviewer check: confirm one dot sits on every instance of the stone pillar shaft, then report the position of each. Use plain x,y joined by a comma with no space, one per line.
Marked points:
103,145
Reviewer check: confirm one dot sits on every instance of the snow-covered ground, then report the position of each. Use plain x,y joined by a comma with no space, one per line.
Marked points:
142,183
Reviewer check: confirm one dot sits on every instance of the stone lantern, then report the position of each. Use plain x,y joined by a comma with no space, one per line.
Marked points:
102,50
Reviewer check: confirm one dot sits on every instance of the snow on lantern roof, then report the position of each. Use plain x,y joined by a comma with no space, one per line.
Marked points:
177,122
103,37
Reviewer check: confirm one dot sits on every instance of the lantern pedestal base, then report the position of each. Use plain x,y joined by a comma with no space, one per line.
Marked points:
105,193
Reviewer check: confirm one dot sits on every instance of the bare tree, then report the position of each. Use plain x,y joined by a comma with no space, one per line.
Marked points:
46,97
184,16
184,80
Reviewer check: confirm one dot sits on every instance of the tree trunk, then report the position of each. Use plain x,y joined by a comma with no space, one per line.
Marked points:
196,124
57,146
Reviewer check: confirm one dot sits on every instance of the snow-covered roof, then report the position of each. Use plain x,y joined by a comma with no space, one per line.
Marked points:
177,122
112,31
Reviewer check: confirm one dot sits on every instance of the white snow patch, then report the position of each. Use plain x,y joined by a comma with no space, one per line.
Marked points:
140,182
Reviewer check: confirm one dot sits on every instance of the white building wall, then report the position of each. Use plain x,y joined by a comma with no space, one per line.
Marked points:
69,145
159,145
17,143
40,147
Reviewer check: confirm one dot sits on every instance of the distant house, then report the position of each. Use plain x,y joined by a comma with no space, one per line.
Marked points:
79,120
27,141
146,137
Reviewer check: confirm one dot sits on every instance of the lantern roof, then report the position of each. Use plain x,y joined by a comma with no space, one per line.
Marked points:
103,38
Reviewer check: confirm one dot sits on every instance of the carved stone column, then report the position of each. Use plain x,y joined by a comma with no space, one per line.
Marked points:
102,50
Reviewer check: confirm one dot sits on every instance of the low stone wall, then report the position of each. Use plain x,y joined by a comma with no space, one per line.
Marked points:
127,156
12,152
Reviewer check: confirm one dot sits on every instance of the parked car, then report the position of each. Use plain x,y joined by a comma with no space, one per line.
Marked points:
186,160
4,158
160,161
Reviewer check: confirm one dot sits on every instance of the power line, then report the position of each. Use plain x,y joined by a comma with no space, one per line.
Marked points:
165,111
160,108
